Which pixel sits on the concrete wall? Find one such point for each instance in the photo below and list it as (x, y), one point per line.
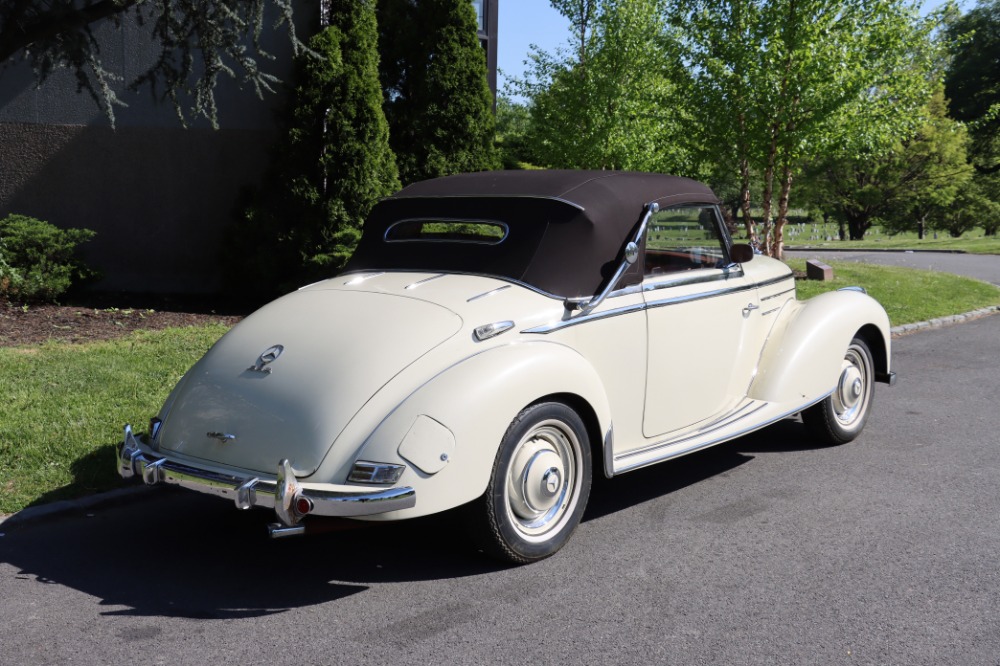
(159, 196)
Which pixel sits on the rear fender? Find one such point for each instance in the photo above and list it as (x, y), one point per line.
(470, 406)
(802, 358)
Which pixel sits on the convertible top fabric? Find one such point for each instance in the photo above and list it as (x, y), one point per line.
(567, 230)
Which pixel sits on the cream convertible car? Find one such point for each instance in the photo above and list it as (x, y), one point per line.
(497, 339)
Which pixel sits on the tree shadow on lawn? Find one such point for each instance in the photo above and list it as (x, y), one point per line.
(174, 553)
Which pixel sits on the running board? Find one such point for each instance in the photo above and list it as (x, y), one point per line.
(748, 416)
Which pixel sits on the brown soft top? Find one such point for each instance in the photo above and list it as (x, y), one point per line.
(566, 229)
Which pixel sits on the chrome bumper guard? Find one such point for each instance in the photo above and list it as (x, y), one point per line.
(285, 494)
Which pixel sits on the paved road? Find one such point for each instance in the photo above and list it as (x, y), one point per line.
(764, 551)
(980, 266)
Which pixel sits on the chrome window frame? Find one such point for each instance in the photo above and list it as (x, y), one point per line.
(725, 241)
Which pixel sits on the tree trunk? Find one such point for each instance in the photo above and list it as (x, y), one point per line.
(779, 225)
(748, 222)
(921, 227)
(858, 224)
(769, 191)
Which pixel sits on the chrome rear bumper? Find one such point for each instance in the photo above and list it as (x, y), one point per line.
(290, 500)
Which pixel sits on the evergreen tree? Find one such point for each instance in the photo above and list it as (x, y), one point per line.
(332, 162)
(437, 99)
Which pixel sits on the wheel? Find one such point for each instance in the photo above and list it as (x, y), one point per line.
(538, 488)
(840, 417)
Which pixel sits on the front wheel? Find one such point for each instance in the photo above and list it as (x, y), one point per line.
(840, 417)
(538, 488)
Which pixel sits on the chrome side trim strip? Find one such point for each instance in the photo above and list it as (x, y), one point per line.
(685, 279)
(487, 293)
(780, 293)
(416, 284)
(771, 311)
(676, 300)
(358, 279)
(705, 444)
(737, 414)
(638, 307)
(566, 323)
(777, 280)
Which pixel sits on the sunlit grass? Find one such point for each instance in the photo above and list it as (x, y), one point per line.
(63, 406)
(908, 295)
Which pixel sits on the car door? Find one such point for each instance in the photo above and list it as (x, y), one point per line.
(704, 330)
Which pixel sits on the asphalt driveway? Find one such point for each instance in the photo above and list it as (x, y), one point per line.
(768, 550)
(984, 267)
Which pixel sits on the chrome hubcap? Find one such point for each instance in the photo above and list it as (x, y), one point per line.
(854, 388)
(542, 480)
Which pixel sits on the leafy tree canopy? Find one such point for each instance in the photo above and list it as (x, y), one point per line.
(773, 82)
(512, 126)
(913, 184)
(607, 99)
(972, 81)
(200, 40)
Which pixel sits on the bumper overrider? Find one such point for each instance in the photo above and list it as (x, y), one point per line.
(291, 500)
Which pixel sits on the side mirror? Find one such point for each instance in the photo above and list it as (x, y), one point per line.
(741, 253)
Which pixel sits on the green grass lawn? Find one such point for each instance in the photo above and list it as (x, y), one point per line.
(63, 405)
(908, 295)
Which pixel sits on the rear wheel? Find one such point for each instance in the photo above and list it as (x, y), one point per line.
(841, 416)
(538, 488)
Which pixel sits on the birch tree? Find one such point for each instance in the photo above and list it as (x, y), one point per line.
(772, 82)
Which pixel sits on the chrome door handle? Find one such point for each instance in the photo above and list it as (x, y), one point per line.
(749, 308)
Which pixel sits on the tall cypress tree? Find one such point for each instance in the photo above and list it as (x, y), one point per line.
(438, 101)
(332, 162)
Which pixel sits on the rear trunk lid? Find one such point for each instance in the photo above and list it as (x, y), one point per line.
(286, 381)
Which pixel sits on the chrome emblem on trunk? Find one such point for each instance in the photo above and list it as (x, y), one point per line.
(269, 355)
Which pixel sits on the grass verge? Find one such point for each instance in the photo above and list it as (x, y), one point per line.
(63, 404)
(908, 295)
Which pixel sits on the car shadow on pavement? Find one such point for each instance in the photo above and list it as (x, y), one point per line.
(649, 483)
(786, 435)
(174, 553)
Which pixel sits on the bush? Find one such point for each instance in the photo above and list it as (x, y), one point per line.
(38, 260)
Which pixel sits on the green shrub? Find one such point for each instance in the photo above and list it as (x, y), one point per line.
(38, 260)
(332, 164)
